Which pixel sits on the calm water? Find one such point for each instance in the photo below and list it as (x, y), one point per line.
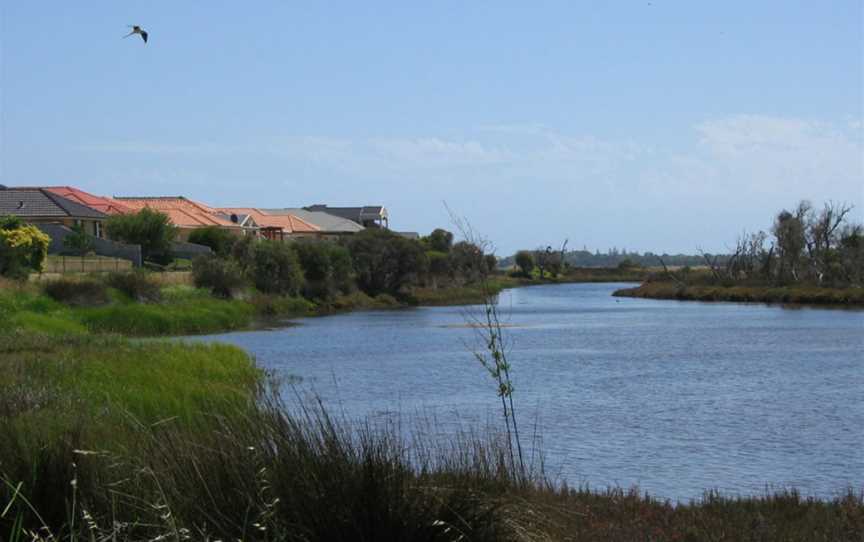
(675, 397)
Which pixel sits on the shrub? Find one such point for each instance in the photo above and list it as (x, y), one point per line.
(326, 267)
(79, 293)
(439, 264)
(385, 262)
(525, 261)
(221, 277)
(150, 229)
(78, 242)
(138, 285)
(467, 260)
(275, 268)
(23, 247)
(439, 241)
(220, 240)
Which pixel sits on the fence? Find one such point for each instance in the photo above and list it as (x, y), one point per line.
(84, 264)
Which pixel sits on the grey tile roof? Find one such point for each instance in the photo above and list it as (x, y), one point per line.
(357, 214)
(327, 222)
(29, 202)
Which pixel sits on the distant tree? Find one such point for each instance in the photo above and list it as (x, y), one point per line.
(326, 267)
(439, 266)
(788, 231)
(78, 242)
(222, 276)
(275, 268)
(543, 258)
(525, 261)
(150, 229)
(467, 261)
(491, 263)
(220, 240)
(439, 240)
(385, 262)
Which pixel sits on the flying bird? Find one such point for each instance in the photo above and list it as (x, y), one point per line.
(137, 30)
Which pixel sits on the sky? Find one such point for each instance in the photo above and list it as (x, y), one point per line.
(664, 126)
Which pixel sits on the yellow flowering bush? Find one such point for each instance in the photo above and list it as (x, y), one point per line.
(23, 247)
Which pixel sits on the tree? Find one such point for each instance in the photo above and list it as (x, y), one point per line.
(220, 240)
(23, 247)
(384, 261)
(525, 261)
(78, 242)
(788, 230)
(490, 263)
(150, 229)
(326, 267)
(467, 261)
(439, 266)
(439, 240)
(276, 269)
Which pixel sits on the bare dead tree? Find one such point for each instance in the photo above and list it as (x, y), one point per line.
(671, 275)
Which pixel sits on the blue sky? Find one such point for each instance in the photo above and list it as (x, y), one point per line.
(658, 125)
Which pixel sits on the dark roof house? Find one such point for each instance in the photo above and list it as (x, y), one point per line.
(327, 224)
(39, 204)
(369, 216)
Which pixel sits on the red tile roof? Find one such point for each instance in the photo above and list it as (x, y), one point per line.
(183, 212)
(108, 206)
(288, 223)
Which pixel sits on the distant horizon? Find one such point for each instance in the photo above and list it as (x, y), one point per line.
(667, 126)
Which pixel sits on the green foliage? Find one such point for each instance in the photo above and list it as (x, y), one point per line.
(525, 261)
(77, 292)
(385, 262)
(439, 240)
(200, 316)
(275, 268)
(150, 229)
(78, 242)
(220, 240)
(490, 263)
(23, 248)
(439, 264)
(223, 277)
(138, 285)
(326, 267)
(468, 261)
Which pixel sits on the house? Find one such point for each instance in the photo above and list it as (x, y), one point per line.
(329, 226)
(185, 214)
(109, 206)
(272, 226)
(42, 206)
(374, 216)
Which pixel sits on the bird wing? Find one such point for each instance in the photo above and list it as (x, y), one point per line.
(129, 34)
(144, 36)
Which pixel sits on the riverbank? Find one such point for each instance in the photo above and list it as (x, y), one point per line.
(110, 439)
(178, 309)
(804, 295)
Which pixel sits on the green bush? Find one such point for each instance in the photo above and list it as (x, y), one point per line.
(385, 262)
(23, 248)
(150, 229)
(220, 240)
(77, 293)
(275, 268)
(137, 285)
(525, 261)
(326, 268)
(222, 277)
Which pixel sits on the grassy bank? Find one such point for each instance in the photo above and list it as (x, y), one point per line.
(191, 457)
(763, 294)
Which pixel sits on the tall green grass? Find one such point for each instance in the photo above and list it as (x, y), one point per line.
(135, 319)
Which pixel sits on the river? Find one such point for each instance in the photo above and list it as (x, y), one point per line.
(675, 397)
